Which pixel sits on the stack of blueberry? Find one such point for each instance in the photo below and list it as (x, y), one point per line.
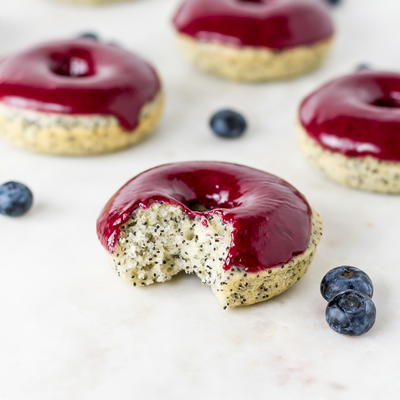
(350, 310)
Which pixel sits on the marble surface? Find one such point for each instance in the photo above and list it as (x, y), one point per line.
(70, 329)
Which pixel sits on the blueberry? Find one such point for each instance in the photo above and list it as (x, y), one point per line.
(351, 313)
(15, 199)
(363, 67)
(228, 124)
(89, 35)
(344, 278)
(333, 2)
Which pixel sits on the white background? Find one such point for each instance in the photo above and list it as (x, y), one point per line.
(70, 329)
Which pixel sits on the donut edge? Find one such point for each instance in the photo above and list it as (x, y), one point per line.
(364, 173)
(243, 289)
(75, 135)
(253, 64)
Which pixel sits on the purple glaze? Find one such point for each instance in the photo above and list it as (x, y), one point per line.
(274, 24)
(79, 76)
(357, 115)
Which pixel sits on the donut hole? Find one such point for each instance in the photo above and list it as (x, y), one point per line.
(196, 206)
(387, 102)
(208, 205)
(77, 63)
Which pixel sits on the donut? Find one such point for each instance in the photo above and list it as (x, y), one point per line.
(77, 97)
(247, 234)
(254, 40)
(350, 130)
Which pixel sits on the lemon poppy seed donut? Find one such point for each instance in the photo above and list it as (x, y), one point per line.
(350, 130)
(247, 234)
(254, 40)
(77, 97)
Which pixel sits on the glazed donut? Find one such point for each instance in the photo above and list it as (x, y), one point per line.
(254, 40)
(77, 97)
(247, 234)
(350, 129)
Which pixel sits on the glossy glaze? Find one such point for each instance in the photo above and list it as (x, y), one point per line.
(275, 24)
(356, 115)
(271, 219)
(79, 76)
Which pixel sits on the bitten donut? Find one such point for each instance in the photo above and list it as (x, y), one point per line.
(350, 130)
(254, 40)
(247, 234)
(77, 97)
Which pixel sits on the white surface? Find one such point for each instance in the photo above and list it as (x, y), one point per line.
(70, 329)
